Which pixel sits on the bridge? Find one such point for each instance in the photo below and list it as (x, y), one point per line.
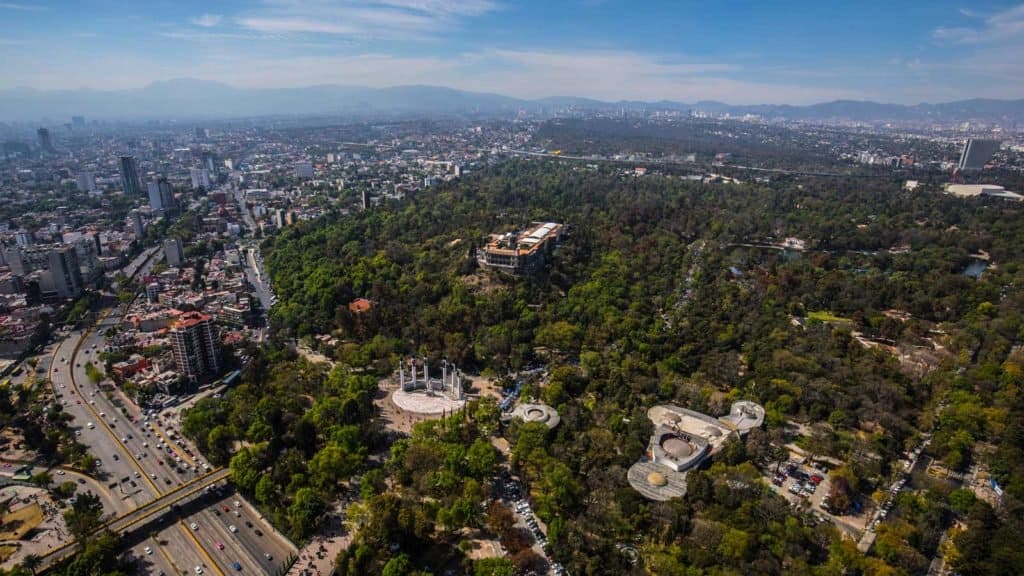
(148, 511)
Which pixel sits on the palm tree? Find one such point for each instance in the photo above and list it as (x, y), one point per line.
(31, 562)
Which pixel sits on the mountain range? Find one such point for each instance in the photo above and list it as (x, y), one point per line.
(190, 98)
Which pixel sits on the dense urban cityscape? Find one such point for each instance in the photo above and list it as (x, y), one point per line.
(596, 321)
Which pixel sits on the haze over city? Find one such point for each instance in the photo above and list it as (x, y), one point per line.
(796, 52)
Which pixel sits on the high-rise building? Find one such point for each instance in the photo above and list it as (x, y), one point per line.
(45, 142)
(209, 160)
(153, 291)
(130, 182)
(67, 277)
(173, 252)
(200, 178)
(86, 182)
(161, 194)
(195, 347)
(23, 238)
(977, 153)
(304, 170)
(136, 218)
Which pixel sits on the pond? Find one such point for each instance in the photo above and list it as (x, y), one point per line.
(975, 269)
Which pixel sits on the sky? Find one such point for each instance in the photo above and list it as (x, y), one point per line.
(766, 51)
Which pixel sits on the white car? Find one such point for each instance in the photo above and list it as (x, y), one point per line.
(233, 528)
(199, 569)
(90, 425)
(148, 550)
(194, 526)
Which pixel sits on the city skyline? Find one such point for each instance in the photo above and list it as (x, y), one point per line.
(796, 53)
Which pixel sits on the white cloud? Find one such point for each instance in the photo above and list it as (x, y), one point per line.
(1002, 26)
(285, 25)
(208, 20)
(363, 18)
(23, 7)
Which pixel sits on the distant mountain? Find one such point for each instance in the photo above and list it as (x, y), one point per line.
(190, 98)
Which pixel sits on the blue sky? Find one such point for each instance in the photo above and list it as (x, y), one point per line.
(739, 52)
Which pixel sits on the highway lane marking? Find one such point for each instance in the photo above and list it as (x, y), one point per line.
(206, 554)
(103, 421)
(168, 558)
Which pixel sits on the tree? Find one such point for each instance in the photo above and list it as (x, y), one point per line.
(305, 511)
(398, 566)
(84, 516)
(31, 562)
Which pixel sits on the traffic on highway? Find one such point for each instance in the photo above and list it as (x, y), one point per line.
(141, 457)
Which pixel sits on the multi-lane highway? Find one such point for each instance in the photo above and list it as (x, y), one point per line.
(139, 462)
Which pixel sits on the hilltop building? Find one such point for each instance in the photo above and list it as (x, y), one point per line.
(521, 253)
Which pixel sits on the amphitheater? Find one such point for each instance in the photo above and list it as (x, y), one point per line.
(418, 393)
(537, 413)
(681, 441)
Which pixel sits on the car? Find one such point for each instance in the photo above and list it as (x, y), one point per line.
(78, 432)
(236, 566)
(233, 528)
(81, 480)
(160, 462)
(248, 524)
(124, 440)
(137, 475)
(268, 556)
(167, 481)
(238, 504)
(199, 569)
(102, 414)
(220, 545)
(90, 425)
(148, 550)
(145, 444)
(116, 457)
(153, 476)
(60, 472)
(225, 508)
(194, 526)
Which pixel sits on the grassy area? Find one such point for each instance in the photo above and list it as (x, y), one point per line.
(14, 525)
(826, 316)
(7, 550)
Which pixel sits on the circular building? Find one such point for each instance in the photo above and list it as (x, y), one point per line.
(537, 413)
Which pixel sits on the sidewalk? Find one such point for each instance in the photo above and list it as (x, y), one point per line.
(317, 558)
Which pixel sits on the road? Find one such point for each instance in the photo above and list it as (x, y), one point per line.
(132, 460)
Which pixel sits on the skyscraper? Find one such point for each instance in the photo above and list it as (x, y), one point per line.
(136, 218)
(200, 178)
(67, 277)
(977, 153)
(173, 252)
(194, 346)
(161, 195)
(130, 182)
(45, 142)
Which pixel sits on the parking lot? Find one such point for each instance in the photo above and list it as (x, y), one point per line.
(512, 495)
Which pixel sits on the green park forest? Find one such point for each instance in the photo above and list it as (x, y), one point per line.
(663, 290)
